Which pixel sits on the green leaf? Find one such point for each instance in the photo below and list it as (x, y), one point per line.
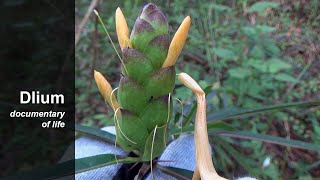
(285, 77)
(271, 47)
(222, 154)
(73, 166)
(176, 172)
(239, 73)
(317, 130)
(260, 7)
(221, 8)
(276, 65)
(265, 28)
(272, 171)
(94, 162)
(258, 64)
(50, 172)
(212, 126)
(235, 113)
(258, 53)
(313, 165)
(224, 53)
(249, 31)
(268, 139)
(96, 132)
(245, 162)
(183, 93)
(100, 116)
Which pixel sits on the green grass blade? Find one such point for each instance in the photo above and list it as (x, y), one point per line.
(96, 132)
(176, 172)
(268, 139)
(313, 165)
(235, 113)
(190, 115)
(245, 162)
(212, 126)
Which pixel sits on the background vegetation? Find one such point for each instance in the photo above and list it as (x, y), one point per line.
(252, 53)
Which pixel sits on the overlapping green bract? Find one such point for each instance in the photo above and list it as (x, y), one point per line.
(145, 86)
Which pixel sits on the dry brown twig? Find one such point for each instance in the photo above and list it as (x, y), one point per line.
(79, 28)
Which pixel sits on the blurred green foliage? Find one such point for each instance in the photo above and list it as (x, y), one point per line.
(251, 52)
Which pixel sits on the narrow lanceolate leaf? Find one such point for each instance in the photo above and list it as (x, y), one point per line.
(212, 126)
(268, 139)
(96, 132)
(71, 167)
(50, 172)
(245, 162)
(94, 162)
(235, 113)
(176, 172)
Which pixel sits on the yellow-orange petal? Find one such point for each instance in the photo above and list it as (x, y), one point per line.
(190, 83)
(106, 90)
(122, 29)
(204, 165)
(177, 43)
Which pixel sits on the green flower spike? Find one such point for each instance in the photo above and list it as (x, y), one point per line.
(148, 80)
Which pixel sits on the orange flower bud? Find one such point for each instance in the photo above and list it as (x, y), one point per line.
(177, 43)
(106, 90)
(122, 30)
